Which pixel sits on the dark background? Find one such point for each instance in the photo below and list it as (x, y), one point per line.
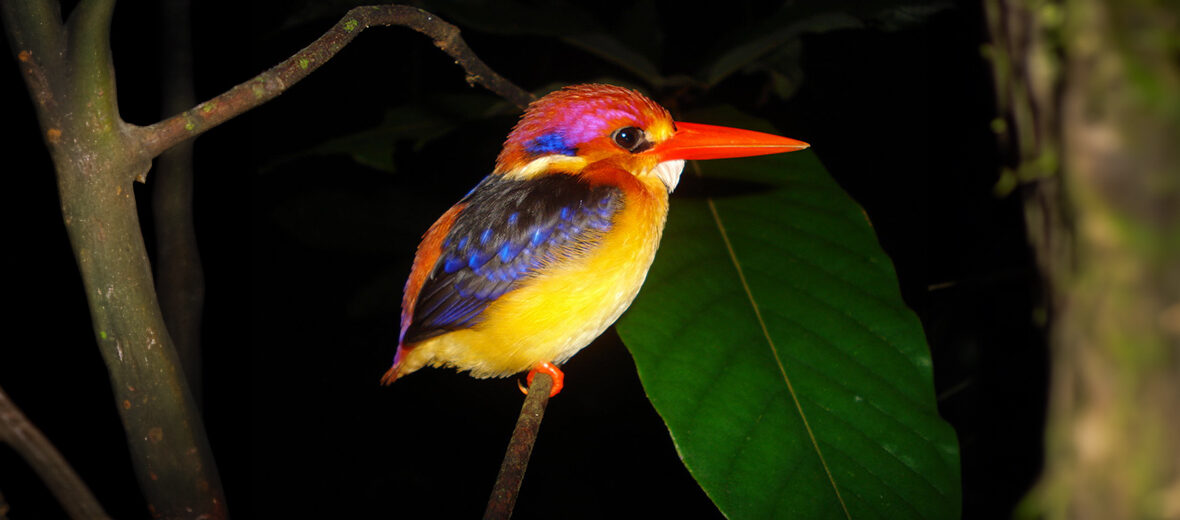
(305, 256)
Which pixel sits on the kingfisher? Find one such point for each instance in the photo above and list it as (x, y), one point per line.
(548, 250)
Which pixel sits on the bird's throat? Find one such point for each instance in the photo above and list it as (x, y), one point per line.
(669, 173)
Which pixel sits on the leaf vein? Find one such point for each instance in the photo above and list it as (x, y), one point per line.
(774, 350)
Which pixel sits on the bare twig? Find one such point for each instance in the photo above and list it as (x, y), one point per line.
(269, 84)
(520, 447)
(39, 453)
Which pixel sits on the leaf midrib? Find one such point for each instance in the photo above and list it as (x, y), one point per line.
(774, 351)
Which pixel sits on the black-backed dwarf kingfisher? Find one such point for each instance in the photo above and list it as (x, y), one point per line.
(545, 253)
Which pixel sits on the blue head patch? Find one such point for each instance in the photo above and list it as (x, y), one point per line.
(550, 143)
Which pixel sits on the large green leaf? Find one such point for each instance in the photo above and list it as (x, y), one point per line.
(772, 339)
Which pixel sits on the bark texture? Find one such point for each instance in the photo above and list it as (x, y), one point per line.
(1090, 96)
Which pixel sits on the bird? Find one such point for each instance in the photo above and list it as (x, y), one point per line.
(548, 250)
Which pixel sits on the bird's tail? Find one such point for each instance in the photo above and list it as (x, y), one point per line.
(394, 371)
(390, 376)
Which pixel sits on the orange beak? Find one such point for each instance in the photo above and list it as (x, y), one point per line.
(697, 141)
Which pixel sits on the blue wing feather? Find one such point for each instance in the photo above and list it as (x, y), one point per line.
(508, 230)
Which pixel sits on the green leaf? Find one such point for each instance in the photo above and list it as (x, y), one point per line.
(772, 338)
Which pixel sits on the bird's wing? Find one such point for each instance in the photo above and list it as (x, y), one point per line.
(505, 232)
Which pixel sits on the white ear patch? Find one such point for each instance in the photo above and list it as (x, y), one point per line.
(669, 173)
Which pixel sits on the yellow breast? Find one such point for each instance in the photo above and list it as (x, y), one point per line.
(566, 306)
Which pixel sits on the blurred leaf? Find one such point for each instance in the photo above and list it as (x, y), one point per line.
(747, 44)
(783, 68)
(898, 17)
(773, 340)
(761, 43)
(642, 29)
(568, 22)
(611, 50)
(419, 122)
(339, 219)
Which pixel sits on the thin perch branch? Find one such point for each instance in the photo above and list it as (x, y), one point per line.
(520, 447)
(73, 495)
(270, 84)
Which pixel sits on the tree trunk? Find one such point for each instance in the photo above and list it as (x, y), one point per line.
(97, 157)
(1089, 93)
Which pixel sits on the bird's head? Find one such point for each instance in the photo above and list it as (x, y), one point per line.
(578, 126)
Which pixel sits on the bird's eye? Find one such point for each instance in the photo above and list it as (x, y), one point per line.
(631, 139)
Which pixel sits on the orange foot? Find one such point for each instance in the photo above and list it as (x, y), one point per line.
(548, 368)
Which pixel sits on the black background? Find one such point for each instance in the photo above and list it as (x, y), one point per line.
(305, 259)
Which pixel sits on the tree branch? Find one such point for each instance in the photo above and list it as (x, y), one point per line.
(520, 448)
(96, 158)
(47, 462)
(70, 75)
(268, 85)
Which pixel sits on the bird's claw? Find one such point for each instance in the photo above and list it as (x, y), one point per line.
(554, 373)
